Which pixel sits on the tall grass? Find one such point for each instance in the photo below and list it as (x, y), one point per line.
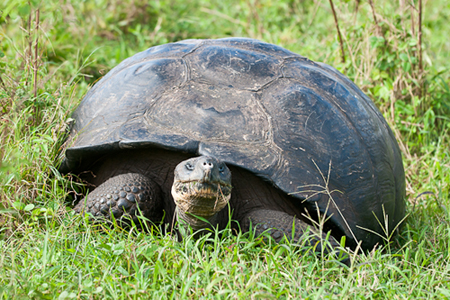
(51, 53)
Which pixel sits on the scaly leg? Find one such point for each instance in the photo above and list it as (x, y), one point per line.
(124, 195)
(282, 225)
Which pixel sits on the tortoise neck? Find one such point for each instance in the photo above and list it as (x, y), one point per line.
(197, 223)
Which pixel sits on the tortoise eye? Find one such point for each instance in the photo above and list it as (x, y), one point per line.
(189, 167)
(221, 168)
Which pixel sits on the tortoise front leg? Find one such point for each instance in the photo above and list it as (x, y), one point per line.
(282, 225)
(124, 195)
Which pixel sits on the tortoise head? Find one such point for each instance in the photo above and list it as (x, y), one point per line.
(202, 187)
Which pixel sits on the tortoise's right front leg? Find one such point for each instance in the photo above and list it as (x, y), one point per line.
(124, 195)
(281, 225)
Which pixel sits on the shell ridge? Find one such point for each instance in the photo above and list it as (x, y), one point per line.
(198, 46)
(270, 134)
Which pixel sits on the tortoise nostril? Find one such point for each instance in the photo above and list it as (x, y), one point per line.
(208, 164)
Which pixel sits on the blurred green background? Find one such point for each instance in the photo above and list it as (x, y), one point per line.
(52, 52)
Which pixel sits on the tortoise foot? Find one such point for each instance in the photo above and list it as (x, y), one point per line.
(122, 196)
(281, 225)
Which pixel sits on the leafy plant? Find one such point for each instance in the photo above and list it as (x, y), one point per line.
(51, 52)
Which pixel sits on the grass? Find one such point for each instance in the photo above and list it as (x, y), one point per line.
(48, 61)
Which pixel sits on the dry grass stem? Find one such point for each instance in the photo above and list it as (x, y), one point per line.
(379, 31)
(223, 16)
(336, 22)
(317, 4)
(357, 7)
(30, 45)
(419, 50)
(36, 45)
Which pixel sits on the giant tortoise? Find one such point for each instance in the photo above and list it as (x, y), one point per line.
(161, 134)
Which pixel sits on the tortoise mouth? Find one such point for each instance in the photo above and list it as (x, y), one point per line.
(199, 189)
(201, 198)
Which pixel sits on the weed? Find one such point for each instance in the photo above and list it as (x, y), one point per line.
(51, 52)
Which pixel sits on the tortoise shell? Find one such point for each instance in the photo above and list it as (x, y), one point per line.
(299, 124)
